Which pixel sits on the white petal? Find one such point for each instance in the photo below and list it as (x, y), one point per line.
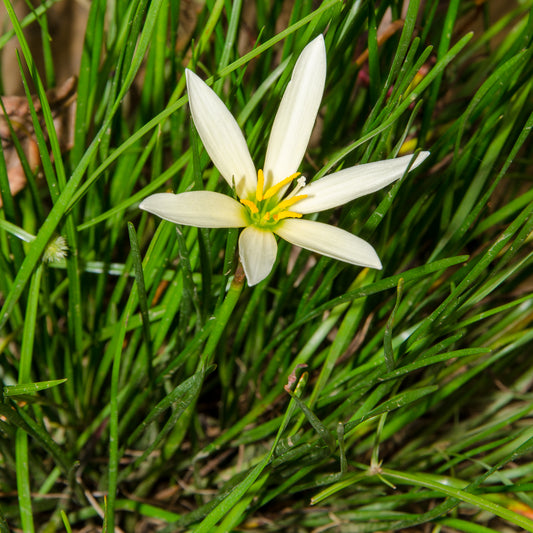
(257, 250)
(346, 185)
(203, 209)
(329, 241)
(297, 113)
(221, 135)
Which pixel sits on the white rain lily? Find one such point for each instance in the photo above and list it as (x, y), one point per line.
(264, 207)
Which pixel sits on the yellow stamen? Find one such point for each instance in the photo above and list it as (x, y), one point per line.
(260, 185)
(290, 201)
(286, 214)
(250, 205)
(271, 191)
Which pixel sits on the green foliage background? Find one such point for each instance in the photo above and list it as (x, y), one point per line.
(138, 368)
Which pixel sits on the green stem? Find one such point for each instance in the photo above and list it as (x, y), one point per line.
(222, 317)
(436, 483)
(21, 439)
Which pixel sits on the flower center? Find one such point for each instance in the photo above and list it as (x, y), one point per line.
(267, 209)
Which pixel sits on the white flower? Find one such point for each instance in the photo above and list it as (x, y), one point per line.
(264, 208)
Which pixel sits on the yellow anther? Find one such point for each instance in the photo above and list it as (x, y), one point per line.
(260, 185)
(250, 205)
(290, 201)
(286, 214)
(271, 191)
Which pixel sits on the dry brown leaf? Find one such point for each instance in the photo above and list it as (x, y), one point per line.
(17, 109)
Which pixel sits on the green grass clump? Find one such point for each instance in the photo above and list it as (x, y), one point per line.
(144, 387)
